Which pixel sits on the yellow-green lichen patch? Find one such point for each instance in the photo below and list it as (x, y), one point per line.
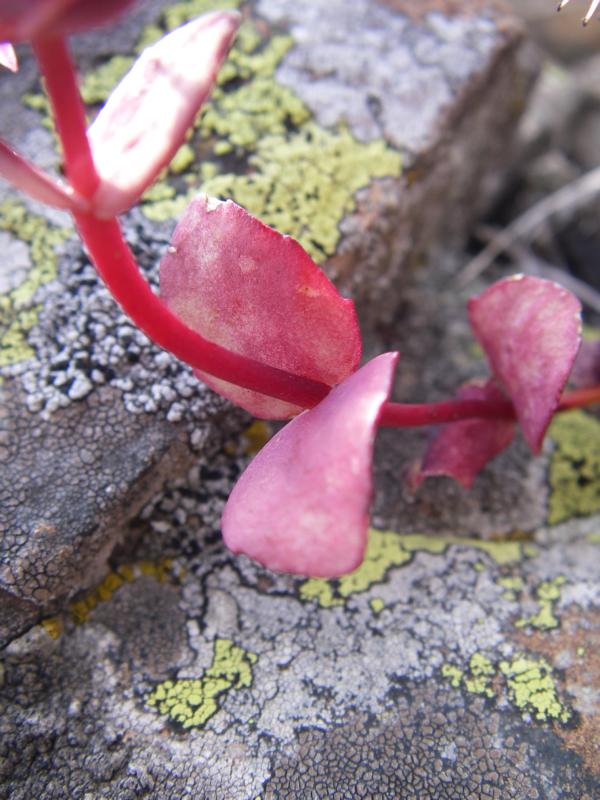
(513, 584)
(480, 674)
(476, 678)
(38, 101)
(386, 549)
(377, 605)
(240, 117)
(590, 334)
(574, 467)
(265, 153)
(99, 83)
(532, 688)
(18, 312)
(177, 13)
(304, 185)
(80, 609)
(547, 594)
(529, 682)
(191, 702)
(452, 673)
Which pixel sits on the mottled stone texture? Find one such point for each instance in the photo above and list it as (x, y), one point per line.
(163, 668)
(445, 89)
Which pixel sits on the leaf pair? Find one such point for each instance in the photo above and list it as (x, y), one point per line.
(530, 331)
(302, 504)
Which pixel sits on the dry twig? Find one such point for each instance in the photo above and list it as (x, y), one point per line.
(569, 197)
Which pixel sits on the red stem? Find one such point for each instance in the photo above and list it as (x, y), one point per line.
(69, 112)
(117, 267)
(412, 415)
(409, 415)
(579, 397)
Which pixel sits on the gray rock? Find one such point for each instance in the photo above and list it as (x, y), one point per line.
(399, 104)
(164, 667)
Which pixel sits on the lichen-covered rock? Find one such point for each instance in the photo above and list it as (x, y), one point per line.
(363, 130)
(446, 665)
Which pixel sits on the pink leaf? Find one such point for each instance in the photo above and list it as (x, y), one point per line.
(530, 330)
(8, 57)
(252, 290)
(31, 180)
(29, 19)
(302, 505)
(461, 450)
(25, 19)
(145, 119)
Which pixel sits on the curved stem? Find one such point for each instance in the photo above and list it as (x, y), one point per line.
(61, 85)
(117, 267)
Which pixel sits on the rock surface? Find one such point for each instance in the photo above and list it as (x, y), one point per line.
(446, 666)
(363, 137)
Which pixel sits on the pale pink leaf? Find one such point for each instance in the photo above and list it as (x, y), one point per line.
(31, 180)
(145, 119)
(8, 57)
(252, 290)
(302, 505)
(530, 330)
(460, 450)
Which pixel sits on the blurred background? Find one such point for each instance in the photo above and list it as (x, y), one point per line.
(558, 172)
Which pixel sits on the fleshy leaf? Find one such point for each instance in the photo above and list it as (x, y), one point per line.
(530, 330)
(145, 119)
(31, 180)
(460, 450)
(8, 57)
(302, 505)
(252, 290)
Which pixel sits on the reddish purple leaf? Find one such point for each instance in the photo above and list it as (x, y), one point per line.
(25, 19)
(586, 369)
(8, 57)
(461, 450)
(145, 119)
(302, 505)
(252, 290)
(530, 330)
